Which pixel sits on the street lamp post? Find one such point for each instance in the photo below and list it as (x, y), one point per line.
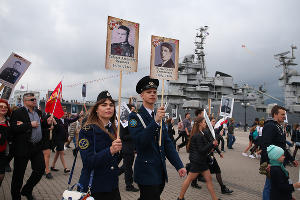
(244, 104)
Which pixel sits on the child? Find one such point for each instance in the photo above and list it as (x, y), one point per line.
(281, 185)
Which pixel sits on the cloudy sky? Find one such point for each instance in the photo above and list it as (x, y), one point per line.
(66, 39)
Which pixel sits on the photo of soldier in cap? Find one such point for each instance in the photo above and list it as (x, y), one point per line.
(120, 45)
(13, 69)
(11, 74)
(165, 56)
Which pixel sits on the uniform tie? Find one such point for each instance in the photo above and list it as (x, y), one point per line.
(152, 114)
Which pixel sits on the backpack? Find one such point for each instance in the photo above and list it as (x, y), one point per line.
(255, 134)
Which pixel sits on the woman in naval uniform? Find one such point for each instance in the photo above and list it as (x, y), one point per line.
(99, 150)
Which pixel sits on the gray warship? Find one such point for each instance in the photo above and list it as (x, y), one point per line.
(194, 88)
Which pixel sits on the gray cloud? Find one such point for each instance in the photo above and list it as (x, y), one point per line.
(67, 38)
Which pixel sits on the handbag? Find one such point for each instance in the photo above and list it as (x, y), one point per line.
(69, 194)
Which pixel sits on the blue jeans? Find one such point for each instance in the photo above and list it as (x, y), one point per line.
(267, 189)
(231, 141)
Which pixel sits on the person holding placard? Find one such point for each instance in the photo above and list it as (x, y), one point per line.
(150, 171)
(99, 150)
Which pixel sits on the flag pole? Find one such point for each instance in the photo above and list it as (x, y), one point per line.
(119, 108)
(161, 104)
(50, 136)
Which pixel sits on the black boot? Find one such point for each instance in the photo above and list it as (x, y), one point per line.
(225, 190)
(195, 184)
(131, 188)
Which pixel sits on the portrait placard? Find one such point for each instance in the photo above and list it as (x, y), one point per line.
(164, 58)
(226, 107)
(13, 69)
(124, 114)
(6, 92)
(122, 45)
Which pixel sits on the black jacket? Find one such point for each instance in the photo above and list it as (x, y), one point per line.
(60, 131)
(171, 131)
(273, 134)
(210, 138)
(22, 133)
(127, 141)
(296, 136)
(280, 187)
(199, 148)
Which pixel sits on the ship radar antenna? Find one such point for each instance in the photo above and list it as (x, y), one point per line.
(201, 35)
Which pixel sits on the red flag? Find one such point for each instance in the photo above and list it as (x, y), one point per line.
(53, 104)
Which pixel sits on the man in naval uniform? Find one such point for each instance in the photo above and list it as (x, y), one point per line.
(150, 171)
(123, 48)
(11, 74)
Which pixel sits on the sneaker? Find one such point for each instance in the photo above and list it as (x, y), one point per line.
(244, 154)
(49, 176)
(131, 188)
(251, 156)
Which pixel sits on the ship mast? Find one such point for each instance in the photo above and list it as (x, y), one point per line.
(286, 61)
(199, 53)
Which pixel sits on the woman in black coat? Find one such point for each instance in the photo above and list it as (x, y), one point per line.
(171, 131)
(199, 147)
(5, 136)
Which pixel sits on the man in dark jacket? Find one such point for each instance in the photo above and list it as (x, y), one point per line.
(274, 134)
(150, 172)
(128, 155)
(27, 128)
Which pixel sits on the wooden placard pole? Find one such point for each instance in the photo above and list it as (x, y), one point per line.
(209, 107)
(161, 104)
(119, 108)
(1, 87)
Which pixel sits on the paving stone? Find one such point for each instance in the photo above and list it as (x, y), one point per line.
(239, 174)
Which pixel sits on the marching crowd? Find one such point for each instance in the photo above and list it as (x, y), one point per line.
(26, 134)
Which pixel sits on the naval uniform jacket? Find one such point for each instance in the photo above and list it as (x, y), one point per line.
(94, 146)
(150, 163)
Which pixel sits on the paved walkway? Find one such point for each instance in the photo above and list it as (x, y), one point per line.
(239, 173)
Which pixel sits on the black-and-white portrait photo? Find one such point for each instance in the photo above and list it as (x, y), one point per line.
(124, 114)
(164, 58)
(226, 106)
(12, 73)
(13, 69)
(120, 45)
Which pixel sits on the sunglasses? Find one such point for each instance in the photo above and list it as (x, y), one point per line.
(33, 99)
(3, 107)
